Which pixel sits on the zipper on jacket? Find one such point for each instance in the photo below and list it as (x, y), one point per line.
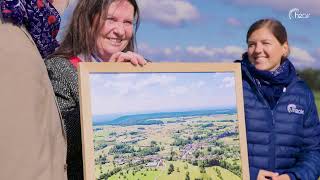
(273, 121)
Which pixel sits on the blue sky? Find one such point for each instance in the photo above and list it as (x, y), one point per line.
(215, 30)
(160, 92)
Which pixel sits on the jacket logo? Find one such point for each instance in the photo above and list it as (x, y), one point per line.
(292, 108)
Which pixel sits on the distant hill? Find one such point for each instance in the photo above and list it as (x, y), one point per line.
(154, 118)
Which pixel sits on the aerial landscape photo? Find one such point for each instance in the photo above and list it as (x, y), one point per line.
(162, 126)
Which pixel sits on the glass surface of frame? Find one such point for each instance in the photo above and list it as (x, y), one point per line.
(163, 121)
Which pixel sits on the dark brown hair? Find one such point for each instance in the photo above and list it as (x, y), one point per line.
(275, 27)
(80, 36)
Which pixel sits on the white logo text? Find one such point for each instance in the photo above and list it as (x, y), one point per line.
(292, 108)
(296, 14)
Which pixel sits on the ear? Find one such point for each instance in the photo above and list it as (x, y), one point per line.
(285, 49)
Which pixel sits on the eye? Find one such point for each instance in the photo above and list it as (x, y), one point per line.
(250, 45)
(128, 23)
(110, 20)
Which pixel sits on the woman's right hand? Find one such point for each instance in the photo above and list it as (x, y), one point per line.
(134, 58)
(266, 175)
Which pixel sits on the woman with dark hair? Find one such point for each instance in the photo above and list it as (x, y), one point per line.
(282, 123)
(33, 142)
(100, 31)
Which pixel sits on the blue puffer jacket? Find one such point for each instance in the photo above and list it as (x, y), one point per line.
(287, 138)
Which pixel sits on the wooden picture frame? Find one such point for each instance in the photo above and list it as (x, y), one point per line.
(163, 120)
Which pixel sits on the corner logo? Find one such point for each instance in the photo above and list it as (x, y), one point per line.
(292, 108)
(296, 14)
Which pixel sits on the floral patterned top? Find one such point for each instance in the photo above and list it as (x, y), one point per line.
(39, 17)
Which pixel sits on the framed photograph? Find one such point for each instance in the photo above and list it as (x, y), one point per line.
(163, 121)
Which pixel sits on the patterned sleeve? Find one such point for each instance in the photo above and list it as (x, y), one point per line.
(64, 80)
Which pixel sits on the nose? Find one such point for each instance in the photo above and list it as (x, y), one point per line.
(119, 29)
(258, 48)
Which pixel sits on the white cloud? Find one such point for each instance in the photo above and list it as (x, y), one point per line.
(145, 49)
(190, 88)
(200, 53)
(198, 84)
(317, 56)
(227, 82)
(167, 51)
(318, 52)
(233, 50)
(307, 6)
(211, 52)
(202, 50)
(154, 79)
(178, 90)
(125, 85)
(168, 12)
(125, 76)
(120, 87)
(301, 57)
(96, 78)
(233, 21)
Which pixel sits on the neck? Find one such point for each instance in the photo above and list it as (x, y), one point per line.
(102, 58)
(97, 58)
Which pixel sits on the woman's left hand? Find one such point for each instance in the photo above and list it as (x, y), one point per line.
(134, 58)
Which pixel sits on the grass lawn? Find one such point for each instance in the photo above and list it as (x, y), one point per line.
(161, 174)
(317, 97)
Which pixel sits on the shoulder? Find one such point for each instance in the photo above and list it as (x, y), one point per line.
(300, 88)
(58, 62)
(61, 68)
(301, 95)
(59, 65)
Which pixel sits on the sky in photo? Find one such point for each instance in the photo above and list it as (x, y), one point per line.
(215, 30)
(113, 93)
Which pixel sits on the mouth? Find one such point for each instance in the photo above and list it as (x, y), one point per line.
(259, 59)
(115, 41)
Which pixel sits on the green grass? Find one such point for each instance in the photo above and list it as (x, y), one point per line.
(161, 174)
(317, 98)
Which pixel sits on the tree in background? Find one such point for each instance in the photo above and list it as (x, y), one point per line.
(171, 169)
(187, 176)
(312, 78)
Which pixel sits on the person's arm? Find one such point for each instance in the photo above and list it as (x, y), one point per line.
(64, 80)
(308, 163)
(33, 145)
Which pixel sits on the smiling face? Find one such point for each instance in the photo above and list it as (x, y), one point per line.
(116, 29)
(265, 51)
